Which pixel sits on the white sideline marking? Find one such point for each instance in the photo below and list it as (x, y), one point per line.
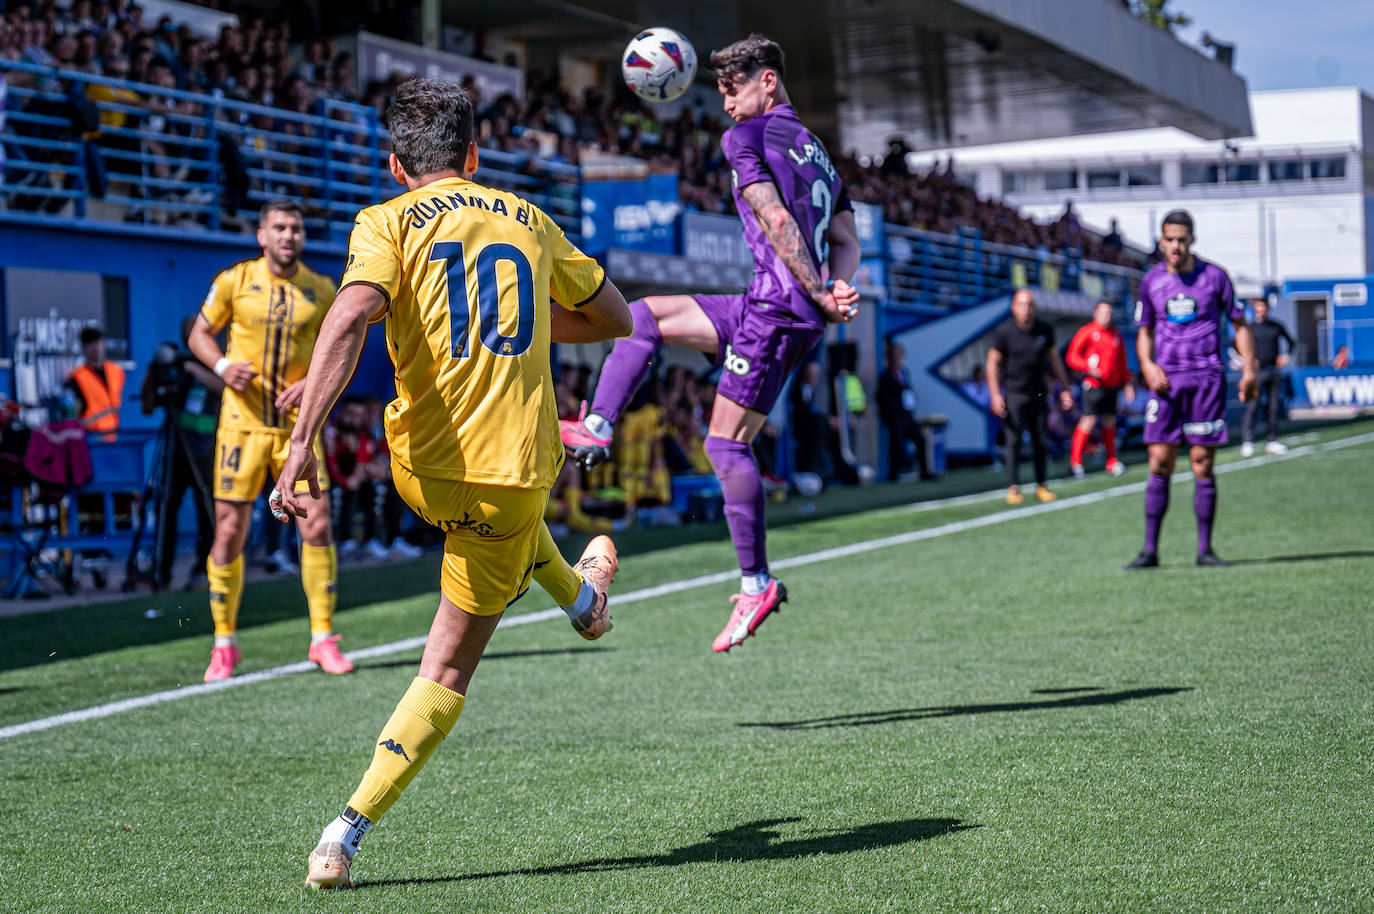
(649, 593)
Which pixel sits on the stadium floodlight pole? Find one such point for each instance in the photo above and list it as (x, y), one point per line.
(431, 24)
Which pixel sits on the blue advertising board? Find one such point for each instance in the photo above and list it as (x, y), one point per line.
(1333, 389)
(635, 215)
(868, 224)
(715, 239)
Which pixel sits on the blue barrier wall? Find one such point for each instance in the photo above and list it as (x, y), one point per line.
(168, 273)
(1349, 320)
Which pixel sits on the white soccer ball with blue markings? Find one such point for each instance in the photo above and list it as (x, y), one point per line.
(659, 64)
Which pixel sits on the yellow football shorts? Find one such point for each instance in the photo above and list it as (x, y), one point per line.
(491, 534)
(244, 456)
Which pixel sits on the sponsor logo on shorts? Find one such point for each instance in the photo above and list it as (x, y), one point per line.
(394, 747)
(735, 363)
(481, 528)
(1215, 427)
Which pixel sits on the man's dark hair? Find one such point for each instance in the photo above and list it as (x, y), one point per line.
(431, 126)
(91, 335)
(280, 205)
(746, 58)
(1179, 217)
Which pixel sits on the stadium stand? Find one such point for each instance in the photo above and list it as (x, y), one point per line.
(110, 119)
(251, 69)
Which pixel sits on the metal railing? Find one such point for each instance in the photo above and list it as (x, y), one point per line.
(97, 148)
(935, 274)
(92, 147)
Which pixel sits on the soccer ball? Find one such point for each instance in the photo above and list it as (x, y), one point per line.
(659, 64)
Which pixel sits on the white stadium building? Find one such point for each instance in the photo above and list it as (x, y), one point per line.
(1294, 201)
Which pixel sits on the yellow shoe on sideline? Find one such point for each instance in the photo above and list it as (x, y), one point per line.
(1044, 494)
(328, 867)
(1014, 497)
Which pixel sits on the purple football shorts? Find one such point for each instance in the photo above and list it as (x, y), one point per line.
(1193, 410)
(756, 353)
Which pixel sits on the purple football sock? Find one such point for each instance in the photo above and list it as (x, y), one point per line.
(742, 487)
(626, 366)
(1156, 503)
(1205, 506)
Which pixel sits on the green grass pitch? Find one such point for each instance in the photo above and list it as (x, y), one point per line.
(992, 718)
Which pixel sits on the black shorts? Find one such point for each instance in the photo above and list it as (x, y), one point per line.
(1100, 401)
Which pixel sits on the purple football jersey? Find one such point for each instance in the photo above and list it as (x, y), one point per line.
(776, 147)
(1188, 312)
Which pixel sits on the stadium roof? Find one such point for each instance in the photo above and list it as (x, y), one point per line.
(937, 72)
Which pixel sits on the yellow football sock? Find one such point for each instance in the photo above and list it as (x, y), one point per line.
(418, 725)
(559, 579)
(226, 590)
(319, 578)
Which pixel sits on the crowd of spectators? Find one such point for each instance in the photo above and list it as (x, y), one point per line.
(253, 62)
(267, 62)
(661, 435)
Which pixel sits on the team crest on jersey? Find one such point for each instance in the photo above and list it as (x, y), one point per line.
(1181, 308)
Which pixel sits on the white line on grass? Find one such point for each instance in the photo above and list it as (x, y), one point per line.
(649, 593)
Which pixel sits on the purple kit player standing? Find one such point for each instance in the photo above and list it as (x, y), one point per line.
(800, 226)
(1183, 303)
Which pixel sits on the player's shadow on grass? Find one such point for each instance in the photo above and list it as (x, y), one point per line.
(490, 656)
(1309, 557)
(84, 631)
(868, 718)
(756, 840)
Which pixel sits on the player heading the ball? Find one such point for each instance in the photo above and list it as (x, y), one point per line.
(799, 225)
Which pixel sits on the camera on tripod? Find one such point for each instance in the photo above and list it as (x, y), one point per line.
(183, 455)
(168, 376)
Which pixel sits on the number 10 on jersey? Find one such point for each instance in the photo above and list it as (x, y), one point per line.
(489, 297)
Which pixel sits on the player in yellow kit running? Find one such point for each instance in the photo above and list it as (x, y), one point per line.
(273, 308)
(464, 276)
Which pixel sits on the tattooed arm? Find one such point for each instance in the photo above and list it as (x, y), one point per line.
(793, 249)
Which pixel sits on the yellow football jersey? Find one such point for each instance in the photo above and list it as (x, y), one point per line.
(272, 323)
(469, 272)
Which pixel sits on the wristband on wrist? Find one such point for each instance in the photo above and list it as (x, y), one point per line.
(830, 285)
(222, 365)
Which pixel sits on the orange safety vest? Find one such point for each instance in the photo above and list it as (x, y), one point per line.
(102, 403)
